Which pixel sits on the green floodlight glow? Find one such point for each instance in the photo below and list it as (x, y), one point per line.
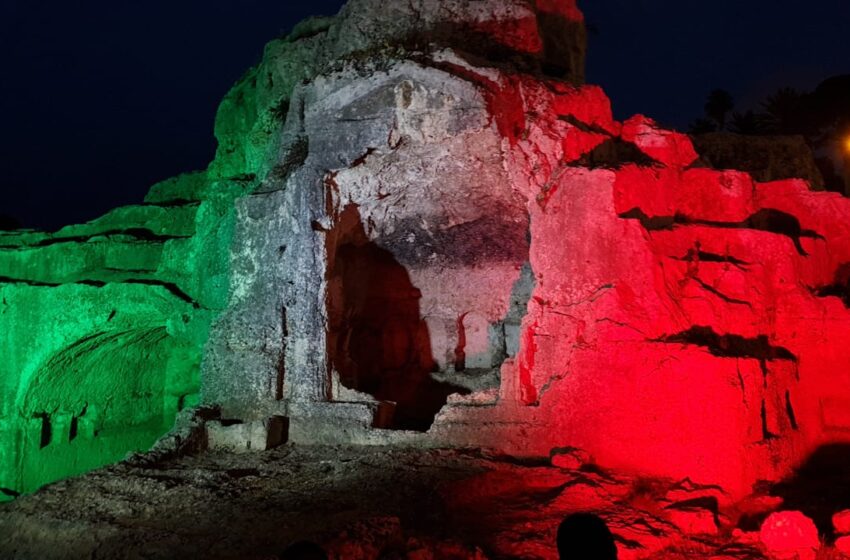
(102, 333)
(87, 392)
(102, 325)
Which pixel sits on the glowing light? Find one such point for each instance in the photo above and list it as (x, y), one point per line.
(847, 144)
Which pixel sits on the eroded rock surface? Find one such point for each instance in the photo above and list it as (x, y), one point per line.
(422, 229)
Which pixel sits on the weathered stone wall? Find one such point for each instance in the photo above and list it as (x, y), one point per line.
(536, 35)
(419, 219)
(388, 114)
(103, 329)
(685, 322)
(91, 371)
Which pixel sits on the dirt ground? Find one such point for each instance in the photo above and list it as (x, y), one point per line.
(365, 503)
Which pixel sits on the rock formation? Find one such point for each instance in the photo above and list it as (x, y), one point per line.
(421, 228)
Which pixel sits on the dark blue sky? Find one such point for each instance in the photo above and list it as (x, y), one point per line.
(100, 99)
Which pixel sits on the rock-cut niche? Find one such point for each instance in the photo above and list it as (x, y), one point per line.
(377, 340)
(97, 399)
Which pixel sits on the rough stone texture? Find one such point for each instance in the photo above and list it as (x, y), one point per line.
(419, 219)
(841, 522)
(667, 295)
(694, 521)
(103, 330)
(540, 35)
(624, 294)
(790, 535)
(91, 373)
(766, 158)
(224, 271)
(365, 503)
(842, 545)
(247, 437)
(387, 169)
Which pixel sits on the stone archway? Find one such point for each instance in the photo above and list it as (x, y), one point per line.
(97, 400)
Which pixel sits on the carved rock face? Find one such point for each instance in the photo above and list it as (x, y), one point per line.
(435, 199)
(415, 209)
(680, 315)
(460, 226)
(545, 36)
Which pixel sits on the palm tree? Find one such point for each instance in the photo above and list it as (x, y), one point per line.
(829, 107)
(786, 112)
(718, 105)
(702, 126)
(749, 123)
(831, 101)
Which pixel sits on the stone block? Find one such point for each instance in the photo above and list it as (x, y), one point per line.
(244, 437)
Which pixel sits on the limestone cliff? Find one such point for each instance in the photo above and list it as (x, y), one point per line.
(106, 323)
(421, 227)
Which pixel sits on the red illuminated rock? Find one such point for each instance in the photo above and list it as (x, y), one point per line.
(842, 545)
(679, 314)
(671, 148)
(492, 229)
(400, 221)
(790, 535)
(570, 459)
(841, 522)
(749, 538)
(694, 521)
(564, 8)
(411, 220)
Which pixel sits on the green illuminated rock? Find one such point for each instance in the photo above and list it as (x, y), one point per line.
(212, 290)
(103, 325)
(103, 328)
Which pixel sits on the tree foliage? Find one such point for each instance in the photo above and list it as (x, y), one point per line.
(818, 115)
(748, 122)
(821, 117)
(718, 106)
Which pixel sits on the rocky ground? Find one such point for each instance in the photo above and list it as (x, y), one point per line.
(369, 503)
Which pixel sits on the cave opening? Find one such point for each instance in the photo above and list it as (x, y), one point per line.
(378, 342)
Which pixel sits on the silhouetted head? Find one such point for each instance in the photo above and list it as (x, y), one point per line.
(583, 536)
(304, 550)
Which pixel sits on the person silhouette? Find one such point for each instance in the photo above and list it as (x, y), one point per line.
(304, 550)
(583, 536)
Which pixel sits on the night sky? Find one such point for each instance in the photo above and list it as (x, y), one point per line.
(102, 98)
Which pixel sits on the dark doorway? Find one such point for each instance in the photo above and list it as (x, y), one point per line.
(378, 341)
(583, 536)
